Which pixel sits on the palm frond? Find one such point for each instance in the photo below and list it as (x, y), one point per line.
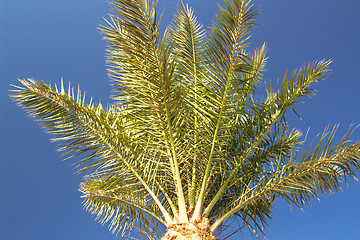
(142, 70)
(87, 130)
(265, 118)
(123, 202)
(225, 53)
(302, 177)
(188, 37)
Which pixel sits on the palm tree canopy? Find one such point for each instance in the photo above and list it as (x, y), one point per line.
(189, 136)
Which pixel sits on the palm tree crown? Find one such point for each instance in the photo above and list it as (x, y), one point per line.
(188, 140)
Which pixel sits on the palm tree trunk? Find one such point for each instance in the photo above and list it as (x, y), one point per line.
(197, 230)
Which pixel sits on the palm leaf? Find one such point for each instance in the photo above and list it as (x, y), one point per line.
(142, 71)
(88, 129)
(188, 37)
(305, 176)
(224, 52)
(122, 202)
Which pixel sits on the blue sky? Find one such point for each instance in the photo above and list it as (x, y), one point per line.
(52, 39)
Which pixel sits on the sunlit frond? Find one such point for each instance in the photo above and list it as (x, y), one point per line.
(299, 178)
(122, 202)
(86, 129)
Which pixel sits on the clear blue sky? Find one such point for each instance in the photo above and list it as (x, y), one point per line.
(50, 39)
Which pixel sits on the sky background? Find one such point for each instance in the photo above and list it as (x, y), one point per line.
(52, 39)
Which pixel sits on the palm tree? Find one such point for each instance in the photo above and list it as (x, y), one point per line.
(189, 144)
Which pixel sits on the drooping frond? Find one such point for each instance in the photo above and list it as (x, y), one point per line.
(86, 129)
(122, 202)
(298, 178)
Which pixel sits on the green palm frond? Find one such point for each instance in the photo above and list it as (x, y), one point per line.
(123, 203)
(81, 128)
(225, 53)
(86, 129)
(297, 180)
(188, 37)
(142, 70)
